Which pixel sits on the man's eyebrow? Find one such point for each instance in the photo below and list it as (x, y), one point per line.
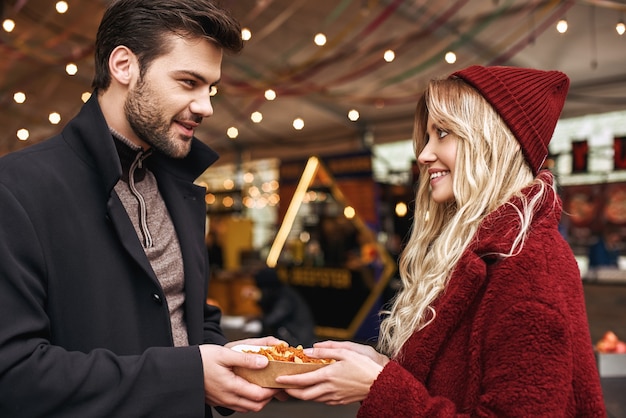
(195, 75)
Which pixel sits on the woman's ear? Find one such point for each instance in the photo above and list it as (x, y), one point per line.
(123, 65)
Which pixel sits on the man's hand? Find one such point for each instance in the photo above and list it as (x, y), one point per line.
(223, 388)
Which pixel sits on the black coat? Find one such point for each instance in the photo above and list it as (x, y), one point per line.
(84, 326)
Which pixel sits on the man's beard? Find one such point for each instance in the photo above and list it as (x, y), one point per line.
(146, 118)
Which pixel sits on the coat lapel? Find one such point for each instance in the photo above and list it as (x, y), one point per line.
(127, 234)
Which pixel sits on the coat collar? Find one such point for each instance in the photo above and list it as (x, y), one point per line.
(89, 136)
(498, 230)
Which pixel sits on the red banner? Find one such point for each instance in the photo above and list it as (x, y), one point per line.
(619, 154)
(580, 156)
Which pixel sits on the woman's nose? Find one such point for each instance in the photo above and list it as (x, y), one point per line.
(426, 156)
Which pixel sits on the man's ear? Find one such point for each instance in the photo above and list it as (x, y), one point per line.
(123, 65)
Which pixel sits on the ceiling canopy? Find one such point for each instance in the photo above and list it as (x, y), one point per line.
(322, 84)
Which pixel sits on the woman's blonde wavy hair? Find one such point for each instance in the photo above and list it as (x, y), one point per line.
(490, 169)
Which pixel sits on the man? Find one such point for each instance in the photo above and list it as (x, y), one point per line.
(103, 267)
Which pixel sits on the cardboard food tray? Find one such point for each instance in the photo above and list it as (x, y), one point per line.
(266, 377)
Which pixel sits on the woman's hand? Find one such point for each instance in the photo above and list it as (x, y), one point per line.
(345, 381)
(365, 350)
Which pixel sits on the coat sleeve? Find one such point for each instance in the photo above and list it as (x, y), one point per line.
(38, 378)
(526, 370)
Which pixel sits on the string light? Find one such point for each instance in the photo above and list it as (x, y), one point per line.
(256, 117)
(320, 39)
(23, 134)
(19, 97)
(298, 124)
(71, 68)
(246, 34)
(450, 57)
(270, 94)
(62, 7)
(54, 118)
(561, 25)
(232, 132)
(8, 25)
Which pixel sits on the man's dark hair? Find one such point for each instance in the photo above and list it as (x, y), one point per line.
(141, 25)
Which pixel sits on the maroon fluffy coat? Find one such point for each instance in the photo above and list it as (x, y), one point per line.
(510, 337)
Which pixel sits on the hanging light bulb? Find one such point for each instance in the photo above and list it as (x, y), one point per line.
(561, 25)
(320, 39)
(450, 57)
(232, 132)
(71, 68)
(23, 134)
(246, 34)
(270, 94)
(8, 25)
(62, 7)
(54, 118)
(19, 97)
(298, 124)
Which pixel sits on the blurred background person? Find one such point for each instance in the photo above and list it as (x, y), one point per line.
(285, 313)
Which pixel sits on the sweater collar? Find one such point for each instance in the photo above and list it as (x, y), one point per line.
(129, 154)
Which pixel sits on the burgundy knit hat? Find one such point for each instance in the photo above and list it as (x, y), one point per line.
(530, 102)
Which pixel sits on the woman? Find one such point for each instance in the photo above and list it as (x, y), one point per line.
(491, 318)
